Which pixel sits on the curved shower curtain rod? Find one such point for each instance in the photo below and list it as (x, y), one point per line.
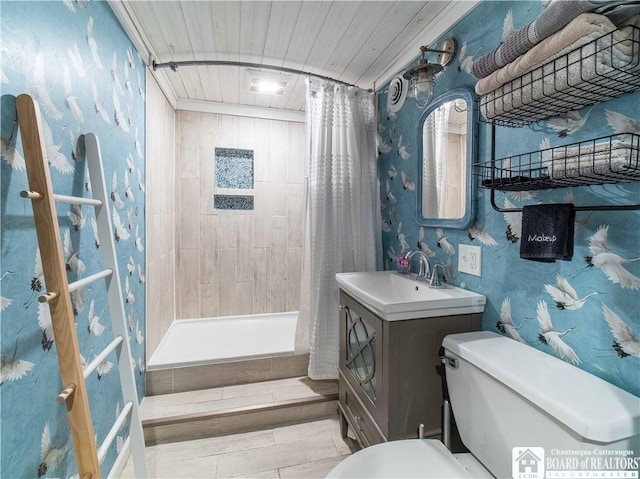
(187, 63)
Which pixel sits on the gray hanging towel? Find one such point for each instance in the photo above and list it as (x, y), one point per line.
(547, 232)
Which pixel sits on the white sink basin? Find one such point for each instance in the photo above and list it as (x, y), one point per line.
(394, 296)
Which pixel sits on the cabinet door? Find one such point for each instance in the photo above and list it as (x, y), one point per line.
(362, 332)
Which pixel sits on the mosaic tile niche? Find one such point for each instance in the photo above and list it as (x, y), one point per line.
(233, 171)
(230, 202)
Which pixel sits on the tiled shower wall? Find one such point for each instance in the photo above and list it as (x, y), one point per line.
(236, 261)
(161, 215)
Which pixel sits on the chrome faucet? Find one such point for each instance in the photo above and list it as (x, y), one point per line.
(425, 266)
(434, 281)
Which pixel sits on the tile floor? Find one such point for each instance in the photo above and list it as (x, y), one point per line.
(235, 409)
(233, 397)
(307, 450)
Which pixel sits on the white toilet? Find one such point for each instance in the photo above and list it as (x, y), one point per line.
(507, 395)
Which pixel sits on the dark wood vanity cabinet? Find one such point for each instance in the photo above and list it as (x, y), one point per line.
(390, 373)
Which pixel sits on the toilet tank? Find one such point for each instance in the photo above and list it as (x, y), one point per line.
(505, 395)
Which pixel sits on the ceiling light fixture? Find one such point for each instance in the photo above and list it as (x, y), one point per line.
(271, 87)
(422, 76)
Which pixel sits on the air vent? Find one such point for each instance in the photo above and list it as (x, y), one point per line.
(397, 93)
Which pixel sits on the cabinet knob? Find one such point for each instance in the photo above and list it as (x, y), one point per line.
(342, 307)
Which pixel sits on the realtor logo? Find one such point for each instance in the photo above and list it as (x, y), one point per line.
(527, 463)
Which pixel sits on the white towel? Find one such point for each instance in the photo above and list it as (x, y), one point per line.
(592, 160)
(582, 30)
(547, 89)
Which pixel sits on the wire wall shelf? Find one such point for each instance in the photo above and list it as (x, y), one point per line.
(600, 70)
(610, 159)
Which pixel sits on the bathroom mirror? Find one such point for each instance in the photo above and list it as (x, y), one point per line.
(447, 145)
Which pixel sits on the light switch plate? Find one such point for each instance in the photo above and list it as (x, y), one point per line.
(470, 259)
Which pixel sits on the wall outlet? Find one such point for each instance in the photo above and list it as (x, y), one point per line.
(470, 259)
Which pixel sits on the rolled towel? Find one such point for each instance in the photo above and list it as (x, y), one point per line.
(580, 31)
(620, 13)
(546, 90)
(593, 160)
(553, 18)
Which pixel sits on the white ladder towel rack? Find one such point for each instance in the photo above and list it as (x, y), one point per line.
(73, 375)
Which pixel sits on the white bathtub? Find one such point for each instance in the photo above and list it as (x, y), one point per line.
(191, 342)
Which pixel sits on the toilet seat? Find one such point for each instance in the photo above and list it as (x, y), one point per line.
(410, 458)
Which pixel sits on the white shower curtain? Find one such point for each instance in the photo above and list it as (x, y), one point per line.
(434, 140)
(341, 233)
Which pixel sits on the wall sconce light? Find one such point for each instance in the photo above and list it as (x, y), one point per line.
(421, 77)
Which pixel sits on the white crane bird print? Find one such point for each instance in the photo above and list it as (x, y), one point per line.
(466, 60)
(128, 192)
(50, 457)
(139, 245)
(114, 74)
(55, 158)
(78, 301)
(564, 295)
(407, 183)
(568, 123)
(390, 196)
(93, 45)
(620, 123)
(131, 164)
(550, 337)
(94, 228)
(129, 296)
(140, 181)
(5, 303)
(422, 244)
(70, 99)
(95, 327)
(76, 217)
(118, 116)
(115, 195)
(13, 369)
(131, 265)
(505, 323)
(443, 242)
(514, 223)
(98, 104)
(41, 88)
(610, 263)
(120, 232)
(37, 282)
(392, 172)
(131, 218)
(103, 368)
(507, 25)
(44, 321)
(76, 61)
(141, 276)
(11, 155)
(626, 342)
(74, 263)
(476, 232)
(402, 150)
(403, 242)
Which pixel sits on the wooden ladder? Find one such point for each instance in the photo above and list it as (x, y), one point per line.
(73, 375)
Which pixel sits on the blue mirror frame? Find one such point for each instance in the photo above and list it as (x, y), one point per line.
(472, 152)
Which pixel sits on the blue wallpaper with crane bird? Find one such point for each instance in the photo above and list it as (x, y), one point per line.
(76, 61)
(595, 297)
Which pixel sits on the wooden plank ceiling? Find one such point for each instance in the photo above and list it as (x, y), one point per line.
(358, 42)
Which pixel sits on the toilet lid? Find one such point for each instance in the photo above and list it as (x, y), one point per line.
(419, 458)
